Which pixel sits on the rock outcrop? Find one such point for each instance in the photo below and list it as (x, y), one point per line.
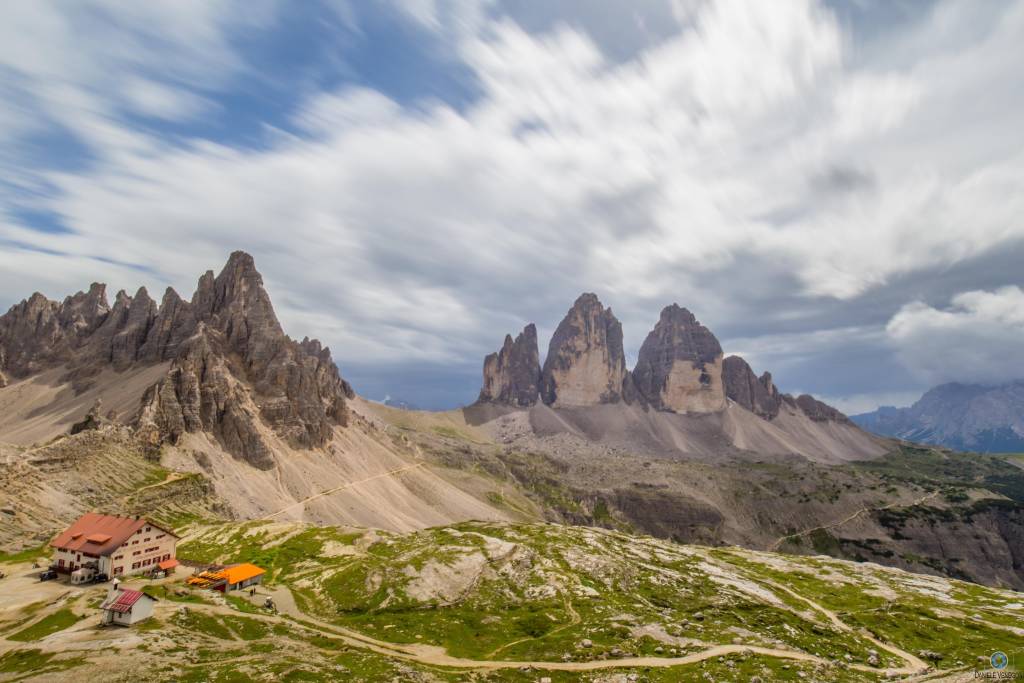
(512, 375)
(233, 372)
(818, 410)
(757, 394)
(679, 368)
(760, 396)
(238, 372)
(585, 364)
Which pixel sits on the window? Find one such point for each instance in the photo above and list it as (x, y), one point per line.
(167, 556)
(60, 563)
(161, 536)
(119, 557)
(146, 562)
(135, 565)
(147, 539)
(135, 542)
(118, 570)
(148, 529)
(137, 552)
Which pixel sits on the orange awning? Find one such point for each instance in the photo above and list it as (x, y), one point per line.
(240, 572)
(168, 564)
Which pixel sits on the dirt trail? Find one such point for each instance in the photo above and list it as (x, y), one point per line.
(347, 485)
(849, 518)
(170, 479)
(436, 656)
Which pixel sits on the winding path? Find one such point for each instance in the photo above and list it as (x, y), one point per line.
(336, 489)
(432, 655)
(849, 518)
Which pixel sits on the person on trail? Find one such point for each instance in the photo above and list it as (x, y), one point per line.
(252, 592)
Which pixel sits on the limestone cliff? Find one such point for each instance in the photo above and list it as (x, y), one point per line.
(679, 368)
(233, 372)
(585, 364)
(757, 394)
(512, 375)
(760, 396)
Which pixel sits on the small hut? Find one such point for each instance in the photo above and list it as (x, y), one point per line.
(125, 607)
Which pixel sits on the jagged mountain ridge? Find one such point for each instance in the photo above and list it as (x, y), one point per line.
(681, 374)
(680, 368)
(231, 366)
(974, 417)
(210, 387)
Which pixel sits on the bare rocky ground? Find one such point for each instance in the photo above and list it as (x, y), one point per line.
(927, 510)
(497, 602)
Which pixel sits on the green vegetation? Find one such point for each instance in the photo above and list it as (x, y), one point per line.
(36, 662)
(207, 624)
(51, 623)
(535, 592)
(26, 555)
(937, 469)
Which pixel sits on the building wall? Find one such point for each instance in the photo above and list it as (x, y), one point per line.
(67, 561)
(145, 549)
(141, 610)
(254, 581)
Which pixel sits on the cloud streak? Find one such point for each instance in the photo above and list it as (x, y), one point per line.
(741, 162)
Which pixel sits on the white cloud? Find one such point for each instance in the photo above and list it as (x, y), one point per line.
(429, 232)
(978, 338)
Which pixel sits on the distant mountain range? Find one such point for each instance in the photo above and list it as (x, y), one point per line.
(970, 417)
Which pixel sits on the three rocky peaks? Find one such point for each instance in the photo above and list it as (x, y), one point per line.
(231, 372)
(680, 369)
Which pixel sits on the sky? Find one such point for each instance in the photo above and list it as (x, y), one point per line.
(836, 189)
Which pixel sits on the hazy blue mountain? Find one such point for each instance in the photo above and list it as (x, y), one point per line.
(973, 417)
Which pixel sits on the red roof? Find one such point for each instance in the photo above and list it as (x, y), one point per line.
(123, 601)
(98, 534)
(168, 564)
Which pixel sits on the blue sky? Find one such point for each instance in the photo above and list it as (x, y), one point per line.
(834, 188)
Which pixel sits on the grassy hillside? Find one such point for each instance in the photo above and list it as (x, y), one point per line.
(513, 602)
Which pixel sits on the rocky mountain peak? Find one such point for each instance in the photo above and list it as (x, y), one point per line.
(84, 311)
(679, 367)
(758, 395)
(233, 372)
(585, 364)
(292, 387)
(236, 303)
(512, 375)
